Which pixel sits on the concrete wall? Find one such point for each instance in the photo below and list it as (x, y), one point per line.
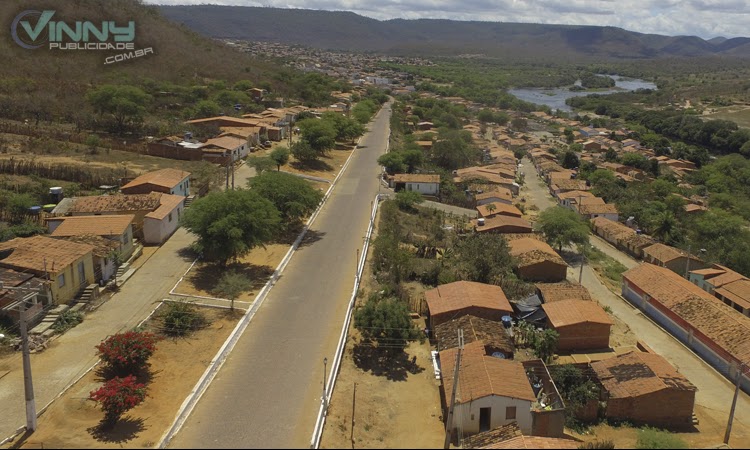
(73, 282)
(424, 188)
(156, 231)
(468, 413)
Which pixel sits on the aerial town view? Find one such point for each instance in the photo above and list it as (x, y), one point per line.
(348, 224)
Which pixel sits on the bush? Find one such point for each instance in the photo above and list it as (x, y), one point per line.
(653, 438)
(181, 319)
(127, 353)
(118, 396)
(605, 444)
(407, 200)
(67, 320)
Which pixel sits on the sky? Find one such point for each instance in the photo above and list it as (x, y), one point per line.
(703, 18)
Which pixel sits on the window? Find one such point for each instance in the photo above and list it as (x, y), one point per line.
(170, 217)
(510, 412)
(61, 280)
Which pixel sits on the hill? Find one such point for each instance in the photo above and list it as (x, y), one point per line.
(349, 31)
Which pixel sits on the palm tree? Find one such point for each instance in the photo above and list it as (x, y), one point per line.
(665, 227)
(490, 208)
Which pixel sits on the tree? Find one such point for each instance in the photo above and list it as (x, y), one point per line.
(412, 158)
(261, 163)
(393, 162)
(491, 208)
(304, 152)
(664, 227)
(545, 344)
(562, 227)
(280, 155)
(117, 396)
(387, 322)
(320, 134)
(483, 258)
(231, 223)
(610, 155)
(346, 129)
(206, 176)
(231, 285)
(124, 104)
(127, 353)
(407, 200)
(206, 108)
(292, 196)
(569, 160)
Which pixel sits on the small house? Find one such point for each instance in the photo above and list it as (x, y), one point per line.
(502, 224)
(581, 324)
(453, 300)
(168, 181)
(426, 184)
(537, 261)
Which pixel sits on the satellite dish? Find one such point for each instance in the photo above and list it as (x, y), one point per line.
(499, 355)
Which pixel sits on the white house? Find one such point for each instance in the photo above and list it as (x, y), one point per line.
(226, 145)
(167, 181)
(159, 224)
(492, 391)
(426, 184)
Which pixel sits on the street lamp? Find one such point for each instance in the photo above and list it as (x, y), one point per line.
(325, 390)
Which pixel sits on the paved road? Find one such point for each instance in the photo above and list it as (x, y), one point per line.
(268, 392)
(714, 390)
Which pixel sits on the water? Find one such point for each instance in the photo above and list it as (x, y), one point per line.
(555, 98)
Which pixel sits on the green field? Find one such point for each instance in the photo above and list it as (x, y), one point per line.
(740, 117)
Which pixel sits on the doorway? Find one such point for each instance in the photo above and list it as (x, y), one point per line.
(484, 419)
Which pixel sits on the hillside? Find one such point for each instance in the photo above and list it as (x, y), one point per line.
(349, 31)
(54, 82)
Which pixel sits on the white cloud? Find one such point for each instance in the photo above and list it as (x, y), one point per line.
(704, 18)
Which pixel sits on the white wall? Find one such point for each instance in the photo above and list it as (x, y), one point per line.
(464, 412)
(423, 188)
(182, 189)
(157, 231)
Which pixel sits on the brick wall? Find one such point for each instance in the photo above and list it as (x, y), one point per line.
(666, 408)
(547, 271)
(583, 336)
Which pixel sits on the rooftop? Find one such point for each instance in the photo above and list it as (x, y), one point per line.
(41, 253)
(489, 332)
(109, 225)
(498, 208)
(115, 203)
(492, 223)
(555, 292)
(416, 178)
(463, 294)
(663, 253)
(638, 373)
(167, 178)
(571, 312)
(167, 204)
(484, 376)
(530, 251)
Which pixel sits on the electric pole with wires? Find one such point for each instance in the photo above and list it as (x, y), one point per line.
(449, 419)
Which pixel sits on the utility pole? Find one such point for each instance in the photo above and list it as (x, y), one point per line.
(325, 388)
(28, 385)
(449, 419)
(580, 273)
(740, 373)
(687, 264)
(227, 185)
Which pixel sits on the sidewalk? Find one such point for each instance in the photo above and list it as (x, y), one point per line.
(72, 354)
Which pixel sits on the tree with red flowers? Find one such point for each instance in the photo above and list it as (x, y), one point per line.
(118, 396)
(127, 353)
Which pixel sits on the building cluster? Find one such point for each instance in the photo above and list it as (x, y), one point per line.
(91, 242)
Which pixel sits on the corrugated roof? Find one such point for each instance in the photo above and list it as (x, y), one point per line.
(720, 323)
(638, 373)
(483, 376)
(168, 203)
(475, 329)
(463, 294)
(167, 178)
(571, 312)
(109, 225)
(555, 292)
(32, 252)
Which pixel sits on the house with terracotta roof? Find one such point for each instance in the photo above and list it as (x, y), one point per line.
(68, 266)
(713, 330)
(676, 260)
(730, 287)
(22, 291)
(225, 148)
(493, 194)
(425, 184)
(570, 198)
(159, 224)
(453, 300)
(502, 224)
(537, 261)
(581, 324)
(493, 392)
(595, 207)
(510, 436)
(644, 388)
(564, 290)
(168, 181)
(491, 333)
(498, 209)
(565, 185)
(621, 236)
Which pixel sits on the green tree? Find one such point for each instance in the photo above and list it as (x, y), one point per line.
(413, 159)
(18, 205)
(562, 227)
(231, 285)
(610, 155)
(483, 258)
(231, 223)
(545, 344)
(393, 162)
(569, 160)
(407, 200)
(294, 197)
(206, 177)
(280, 155)
(124, 104)
(260, 163)
(346, 129)
(320, 134)
(304, 152)
(206, 108)
(386, 322)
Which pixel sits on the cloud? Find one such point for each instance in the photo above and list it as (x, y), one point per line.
(704, 18)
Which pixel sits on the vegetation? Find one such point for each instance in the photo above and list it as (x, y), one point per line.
(652, 438)
(386, 321)
(67, 320)
(231, 223)
(231, 285)
(545, 344)
(118, 396)
(562, 227)
(407, 200)
(180, 319)
(280, 156)
(127, 353)
(605, 444)
(293, 197)
(576, 390)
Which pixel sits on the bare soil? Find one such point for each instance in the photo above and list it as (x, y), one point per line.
(72, 421)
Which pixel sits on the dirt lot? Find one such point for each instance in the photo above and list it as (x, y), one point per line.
(72, 421)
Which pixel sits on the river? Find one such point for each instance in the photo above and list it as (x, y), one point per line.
(555, 98)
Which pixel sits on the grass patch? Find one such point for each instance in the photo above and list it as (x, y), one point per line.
(653, 438)
(606, 265)
(67, 320)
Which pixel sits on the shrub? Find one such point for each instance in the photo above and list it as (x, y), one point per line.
(654, 438)
(67, 320)
(407, 200)
(180, 319)
(118, 396)
(605, 444)
(127, 353)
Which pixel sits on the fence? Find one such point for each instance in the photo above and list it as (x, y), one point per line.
(86, 176)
